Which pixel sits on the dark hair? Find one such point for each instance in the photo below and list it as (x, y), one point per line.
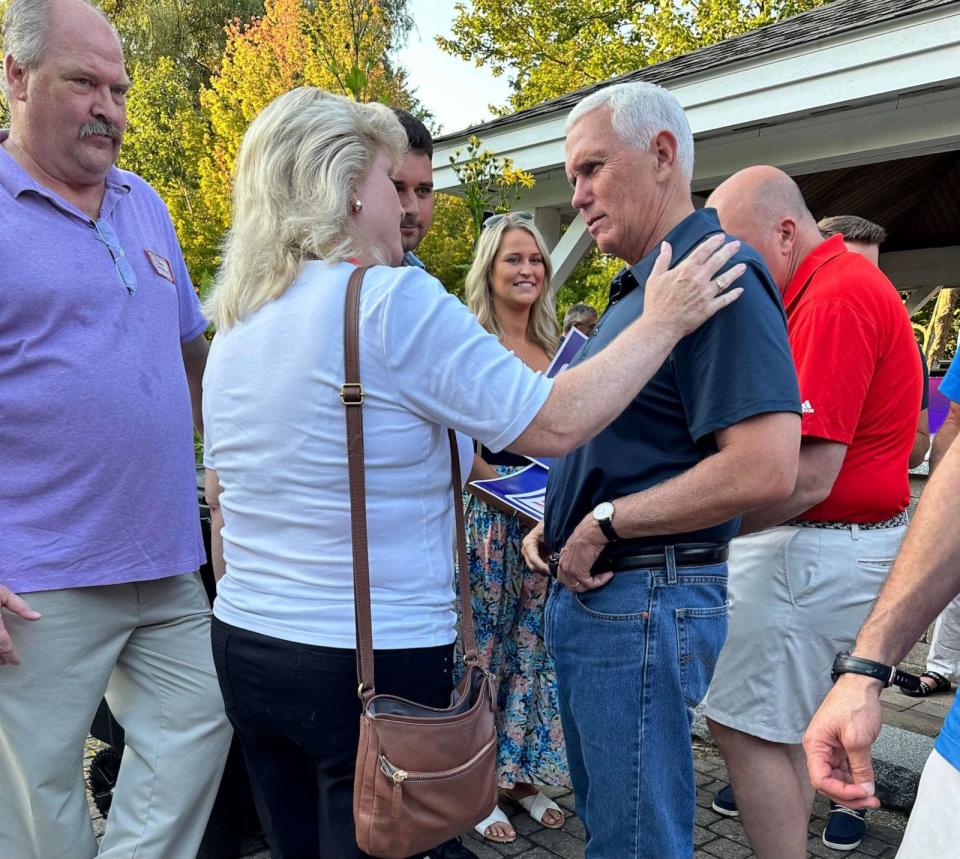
(419, 138)
(854, 229)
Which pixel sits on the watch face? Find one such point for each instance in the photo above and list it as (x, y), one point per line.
(603, 511)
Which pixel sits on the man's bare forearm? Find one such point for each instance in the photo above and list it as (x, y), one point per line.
(194, 362)
(945, 436)
(817, 470)
(738, 477)
(926, 575)
(216, 544)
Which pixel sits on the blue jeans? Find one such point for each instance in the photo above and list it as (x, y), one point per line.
(633, 659)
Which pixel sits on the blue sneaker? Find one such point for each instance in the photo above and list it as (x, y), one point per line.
(845, 827)
(724, 802)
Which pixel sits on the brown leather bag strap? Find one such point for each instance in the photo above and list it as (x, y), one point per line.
(463, 571)
(351, 395)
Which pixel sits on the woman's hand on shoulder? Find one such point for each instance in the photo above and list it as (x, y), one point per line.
(682, 298)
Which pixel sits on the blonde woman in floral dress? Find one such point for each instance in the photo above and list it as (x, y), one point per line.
(508, 288)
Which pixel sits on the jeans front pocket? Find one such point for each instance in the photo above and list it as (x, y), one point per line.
(626, 597)
(700, 636)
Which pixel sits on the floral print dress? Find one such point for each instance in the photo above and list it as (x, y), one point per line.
(508, 601)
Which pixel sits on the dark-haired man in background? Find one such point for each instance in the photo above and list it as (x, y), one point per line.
(414, 184)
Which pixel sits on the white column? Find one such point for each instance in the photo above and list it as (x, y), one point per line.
(569, 251)
(547, 219)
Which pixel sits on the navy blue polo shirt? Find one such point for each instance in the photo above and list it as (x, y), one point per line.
(736, 365)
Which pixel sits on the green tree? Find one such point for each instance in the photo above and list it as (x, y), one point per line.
(936, 326)
(551, 47)
(341, 45)
(490, 184)
(165, 136)
(447, 251)
(192, 33)
(589, 282)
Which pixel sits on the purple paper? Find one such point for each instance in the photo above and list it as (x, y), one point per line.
(567, 352)
(939, 404)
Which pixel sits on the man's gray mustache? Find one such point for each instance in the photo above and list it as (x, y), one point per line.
(98, 126)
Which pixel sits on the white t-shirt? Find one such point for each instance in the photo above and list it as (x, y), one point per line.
(275, 433)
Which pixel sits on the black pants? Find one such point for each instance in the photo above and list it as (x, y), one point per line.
(296, 712)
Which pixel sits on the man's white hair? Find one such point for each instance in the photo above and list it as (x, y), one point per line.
(639, 111)
(25, 32)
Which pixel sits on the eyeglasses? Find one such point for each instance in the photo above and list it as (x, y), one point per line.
(493, 220)
(108, 235)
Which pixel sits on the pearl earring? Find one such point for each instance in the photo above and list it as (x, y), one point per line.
(357, 205)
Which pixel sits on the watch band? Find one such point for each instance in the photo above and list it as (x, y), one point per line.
(888, 675)
(606, 528)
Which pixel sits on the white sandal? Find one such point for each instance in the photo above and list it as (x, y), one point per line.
(496, 816)
(537, 805)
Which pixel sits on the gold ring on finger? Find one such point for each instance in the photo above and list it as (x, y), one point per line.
(720, 284)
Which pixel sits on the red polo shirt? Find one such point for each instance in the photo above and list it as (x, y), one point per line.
(860, 378)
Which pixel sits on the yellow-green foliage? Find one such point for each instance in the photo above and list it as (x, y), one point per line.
(551, 47)
(339, 45)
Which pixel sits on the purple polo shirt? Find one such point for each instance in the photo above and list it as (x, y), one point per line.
(97, 481)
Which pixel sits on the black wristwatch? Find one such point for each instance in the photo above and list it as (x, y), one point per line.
(603, 516)
(888, 675)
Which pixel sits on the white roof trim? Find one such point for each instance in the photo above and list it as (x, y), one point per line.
(856, 68)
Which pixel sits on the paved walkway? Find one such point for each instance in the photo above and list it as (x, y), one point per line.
(715, 837)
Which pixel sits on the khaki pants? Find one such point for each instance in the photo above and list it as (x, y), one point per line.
(146, 646)
(934, 826)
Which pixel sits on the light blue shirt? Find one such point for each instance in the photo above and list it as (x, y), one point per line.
(950, 384)
(410, 258)
(948, 743)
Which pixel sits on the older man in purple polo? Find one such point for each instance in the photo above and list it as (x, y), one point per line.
(101, 348)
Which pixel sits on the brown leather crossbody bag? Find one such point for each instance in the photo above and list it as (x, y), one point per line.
(423, 775)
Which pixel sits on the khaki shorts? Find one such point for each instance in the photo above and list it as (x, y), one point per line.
(797, 597)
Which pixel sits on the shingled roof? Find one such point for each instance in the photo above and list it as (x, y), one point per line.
(840, 16)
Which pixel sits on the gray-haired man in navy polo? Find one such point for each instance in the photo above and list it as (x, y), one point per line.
(640, 516)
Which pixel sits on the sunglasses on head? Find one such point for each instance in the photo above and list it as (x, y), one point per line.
(493, 220)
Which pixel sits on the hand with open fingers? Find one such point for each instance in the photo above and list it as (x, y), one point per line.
(578, 556)
(838, 741)
(535, 551)
(683, 298)
(12, 603)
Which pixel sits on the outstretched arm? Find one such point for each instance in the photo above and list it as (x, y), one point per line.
(925, 577)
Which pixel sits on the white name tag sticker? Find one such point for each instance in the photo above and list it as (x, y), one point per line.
(160, 265)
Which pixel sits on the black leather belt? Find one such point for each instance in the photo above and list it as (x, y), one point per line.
(684, 554)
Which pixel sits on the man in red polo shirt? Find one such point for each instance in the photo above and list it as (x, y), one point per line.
(804, 578)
